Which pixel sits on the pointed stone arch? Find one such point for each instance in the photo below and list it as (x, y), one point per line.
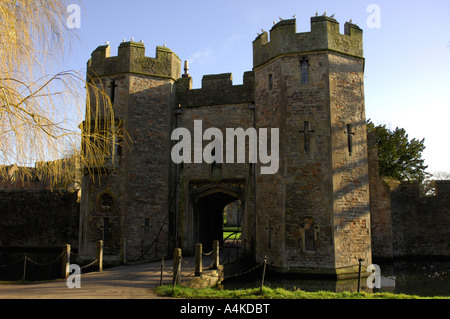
(205, 211)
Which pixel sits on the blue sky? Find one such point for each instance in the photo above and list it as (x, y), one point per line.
(407, 80)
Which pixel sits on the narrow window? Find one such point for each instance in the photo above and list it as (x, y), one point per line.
(270, 82)
(113, 91)
(350, 135)
(106, 234)
(309, 234)
(147, 226)
(304, 71)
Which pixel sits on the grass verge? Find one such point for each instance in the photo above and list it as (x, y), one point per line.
(278, 293)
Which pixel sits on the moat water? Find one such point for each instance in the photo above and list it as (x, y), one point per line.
(40, 265)
(422, 278)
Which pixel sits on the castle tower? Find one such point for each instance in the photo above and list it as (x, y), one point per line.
(314, 213)
(127, 205)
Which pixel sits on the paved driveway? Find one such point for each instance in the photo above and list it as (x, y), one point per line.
(125, 282)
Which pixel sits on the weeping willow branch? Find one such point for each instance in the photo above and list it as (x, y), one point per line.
(40, 107)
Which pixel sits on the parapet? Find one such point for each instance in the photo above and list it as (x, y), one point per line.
(131, 59)
(324, 35)
(217, 89)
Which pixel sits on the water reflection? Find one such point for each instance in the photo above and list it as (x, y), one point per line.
(420, 278)
(41, 264)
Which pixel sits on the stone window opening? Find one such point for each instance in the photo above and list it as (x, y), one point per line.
(112, 94)
(307, 131)
(146, 226)
(310, 235)
(350, 134)
(106, 231)
(304, 66)
(270, 82)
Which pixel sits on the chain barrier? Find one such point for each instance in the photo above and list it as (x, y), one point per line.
(84, 267)
(44, 264)
(208, 254)
(89, 265)
(244, 272)
(12, 263)
(20, 265)
(20, 269)
(32, 261)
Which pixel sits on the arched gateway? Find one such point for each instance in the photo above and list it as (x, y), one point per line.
(205, 214)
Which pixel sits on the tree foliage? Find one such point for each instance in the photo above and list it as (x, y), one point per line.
(399, 157)
(41, 106)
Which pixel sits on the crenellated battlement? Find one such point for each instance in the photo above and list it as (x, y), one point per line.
(324, 35)
(131, 59)
(216, 89)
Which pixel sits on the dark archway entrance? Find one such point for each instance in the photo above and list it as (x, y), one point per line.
(209, 218)
(208, 201)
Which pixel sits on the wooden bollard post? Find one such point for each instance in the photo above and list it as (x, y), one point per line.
(66, 262)
(100, 255)
(198, 260)
(216, 255)
(176, 266)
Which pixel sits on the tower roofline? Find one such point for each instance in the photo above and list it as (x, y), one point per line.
(324, 35)
(131, 59)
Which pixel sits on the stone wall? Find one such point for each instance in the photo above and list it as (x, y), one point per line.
(349, 160)
(301, 188)
(38, 219)
(403, 222)
(217, 89)
(421, 225)
(380, 206)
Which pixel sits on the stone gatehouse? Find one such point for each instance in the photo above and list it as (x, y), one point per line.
(312, 213)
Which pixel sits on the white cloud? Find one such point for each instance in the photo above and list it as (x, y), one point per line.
(201, 56)
(231, 41)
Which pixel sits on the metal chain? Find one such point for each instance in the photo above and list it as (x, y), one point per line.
(208, 254)
(44, 264)
(12, 263)
(244, 272)
(88, 265)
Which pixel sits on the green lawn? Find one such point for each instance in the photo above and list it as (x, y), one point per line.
(228, 231)
(278, 293)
